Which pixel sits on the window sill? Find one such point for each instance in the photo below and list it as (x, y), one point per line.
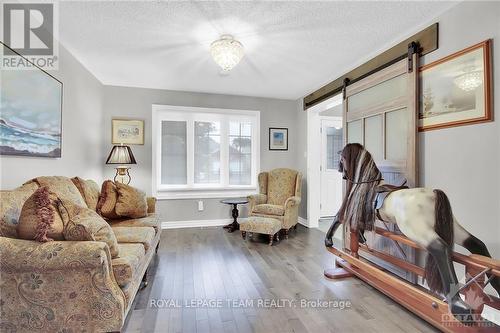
(204, 193)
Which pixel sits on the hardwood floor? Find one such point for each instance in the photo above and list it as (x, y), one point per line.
(211, 264)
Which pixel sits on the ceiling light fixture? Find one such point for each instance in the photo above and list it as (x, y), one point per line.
(469, 81)
(227, 52)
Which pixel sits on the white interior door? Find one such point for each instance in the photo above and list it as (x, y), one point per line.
(331, 179)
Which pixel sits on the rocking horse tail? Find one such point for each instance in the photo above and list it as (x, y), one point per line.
(444, 228)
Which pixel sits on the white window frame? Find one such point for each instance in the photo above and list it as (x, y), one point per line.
(190, 114)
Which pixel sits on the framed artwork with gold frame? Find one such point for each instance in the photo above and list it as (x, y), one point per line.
(456, 90)
(127, 131)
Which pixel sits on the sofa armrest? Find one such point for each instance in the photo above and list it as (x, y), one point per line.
(292, 201)
(256, 199)
(151, 204)
(291, 212)
(59, 285)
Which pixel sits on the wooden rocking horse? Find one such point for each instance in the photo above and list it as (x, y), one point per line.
(425, 218)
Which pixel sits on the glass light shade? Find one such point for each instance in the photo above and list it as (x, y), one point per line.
(227, 52)
(469, 81)
(121, 155)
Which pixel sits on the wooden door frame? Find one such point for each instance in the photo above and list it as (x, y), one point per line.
(314, 162)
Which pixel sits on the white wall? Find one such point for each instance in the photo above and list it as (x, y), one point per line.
(121, 102)
(465, 161)
(82, 128)
(462, 161)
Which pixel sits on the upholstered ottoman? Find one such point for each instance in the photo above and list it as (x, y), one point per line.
(261, 225)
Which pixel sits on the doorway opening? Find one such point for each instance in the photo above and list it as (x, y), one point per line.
(324, 182)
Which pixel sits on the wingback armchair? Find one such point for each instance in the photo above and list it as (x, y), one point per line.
(279, 197)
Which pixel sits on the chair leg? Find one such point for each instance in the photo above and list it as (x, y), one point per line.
(271, 240)
(295, 227)
(286, 233)
(277, 236)
(244, 234)
(157, 247)
(144, 282)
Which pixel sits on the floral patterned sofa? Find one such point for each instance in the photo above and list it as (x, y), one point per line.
(279, 197)
(69, 286)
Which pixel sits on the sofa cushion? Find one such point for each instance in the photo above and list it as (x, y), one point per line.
(11, 205)
(269, 209)
(89, 191)
(62, 186)
(131, 202)
(40, 219)
(84, 224)
(281, 185)
(107, 200)
(143, 235)
(149, 221)
(127, 264)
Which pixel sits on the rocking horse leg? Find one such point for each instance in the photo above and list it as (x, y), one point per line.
(329, 235)
(337, 272)
(440, 251)
(475, 246)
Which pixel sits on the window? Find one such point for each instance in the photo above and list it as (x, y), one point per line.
(334, 144)
(201, 152)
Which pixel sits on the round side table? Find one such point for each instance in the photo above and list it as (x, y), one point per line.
(234, 202)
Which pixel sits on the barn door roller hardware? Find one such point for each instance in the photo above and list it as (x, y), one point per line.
(344, 88)
(413, 48)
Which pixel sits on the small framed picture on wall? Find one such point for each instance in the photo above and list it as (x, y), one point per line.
(127, 131)
(278, 138)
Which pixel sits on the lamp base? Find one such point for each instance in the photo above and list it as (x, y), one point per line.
(123, 174)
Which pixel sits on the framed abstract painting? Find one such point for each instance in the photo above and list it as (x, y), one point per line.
(278, 138)
(30, 112)
(127, 131)
(456, 90)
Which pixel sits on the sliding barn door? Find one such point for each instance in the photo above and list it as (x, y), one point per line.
(380, 112)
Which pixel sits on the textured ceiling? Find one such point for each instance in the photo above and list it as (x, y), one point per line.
(292, 48)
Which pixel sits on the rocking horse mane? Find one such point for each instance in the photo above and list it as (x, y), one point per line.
(362, 177)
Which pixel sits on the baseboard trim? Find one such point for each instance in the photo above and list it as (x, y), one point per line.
(194, 223)
(304, 222)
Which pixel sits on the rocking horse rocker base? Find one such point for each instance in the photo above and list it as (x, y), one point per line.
(416, 298)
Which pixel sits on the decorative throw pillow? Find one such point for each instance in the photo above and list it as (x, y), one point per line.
(84, 224)
(107, 200)
(40, 219)
(11, 205)
(89, 191)
(131, 202)
(62, 186)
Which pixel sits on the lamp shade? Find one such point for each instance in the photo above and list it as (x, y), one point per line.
(121, 155)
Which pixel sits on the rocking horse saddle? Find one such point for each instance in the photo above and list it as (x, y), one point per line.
(382, 191)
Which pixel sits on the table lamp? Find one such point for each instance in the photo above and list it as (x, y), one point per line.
(121, 155)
